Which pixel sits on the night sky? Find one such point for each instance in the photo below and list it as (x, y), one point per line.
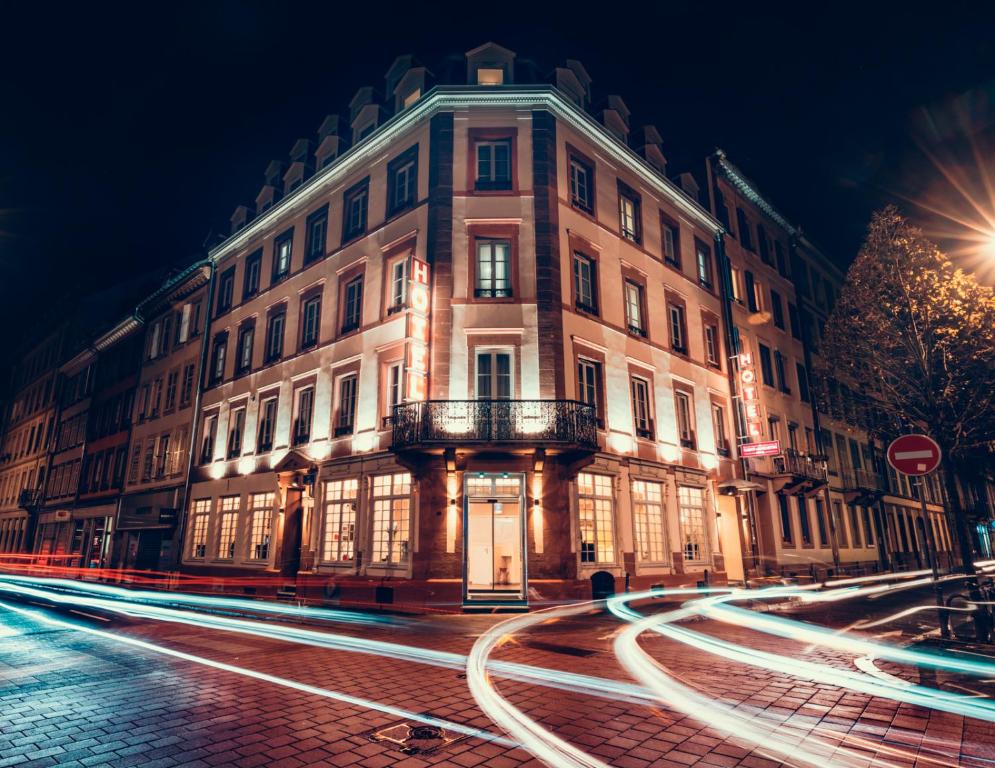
(127, 138)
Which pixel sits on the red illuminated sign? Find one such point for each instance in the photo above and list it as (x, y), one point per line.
(751, 397)
(420, 302)
(753, 450)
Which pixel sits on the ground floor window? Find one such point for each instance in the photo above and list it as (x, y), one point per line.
(691, 504)
(647, 505)
(339, 536)
(228, 527)
(820, 519)
(261, 506)
(805, 527)
(785, 513)
(840, 525)
(198, 527)
(855, 527)
(391, 518)
(868, 526)
(597, 526)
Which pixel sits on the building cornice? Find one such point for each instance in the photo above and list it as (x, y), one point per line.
(118, 332)
(449, 98)
(749, 190)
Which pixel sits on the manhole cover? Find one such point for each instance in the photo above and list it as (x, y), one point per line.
(413, 738)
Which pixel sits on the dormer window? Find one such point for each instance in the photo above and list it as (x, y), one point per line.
(490, 76)
(412, 97)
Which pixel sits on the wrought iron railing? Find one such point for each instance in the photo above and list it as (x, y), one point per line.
(793, 463)
(857, 479)
(566, 422)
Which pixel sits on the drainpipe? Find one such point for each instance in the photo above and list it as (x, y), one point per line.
(181, 516)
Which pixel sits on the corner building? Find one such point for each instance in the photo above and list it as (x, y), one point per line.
(472, 360)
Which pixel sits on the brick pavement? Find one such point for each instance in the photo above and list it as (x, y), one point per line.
(68, 698)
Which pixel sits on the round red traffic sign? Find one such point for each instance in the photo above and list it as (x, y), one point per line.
(914, 454)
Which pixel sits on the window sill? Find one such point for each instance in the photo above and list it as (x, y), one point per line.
(346, 329)
(636, 332)
(587, 310)
(579, 206)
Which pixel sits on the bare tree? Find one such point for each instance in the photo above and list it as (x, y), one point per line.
(915, 337)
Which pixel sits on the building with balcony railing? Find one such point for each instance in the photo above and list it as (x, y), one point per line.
(437, 371)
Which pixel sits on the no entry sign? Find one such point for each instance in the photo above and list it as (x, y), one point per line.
(914, 455)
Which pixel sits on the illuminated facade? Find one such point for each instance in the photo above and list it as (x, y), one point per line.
(475, 359)
(824, 497)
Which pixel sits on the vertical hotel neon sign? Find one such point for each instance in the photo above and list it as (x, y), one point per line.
(420, 303)
(751, 397)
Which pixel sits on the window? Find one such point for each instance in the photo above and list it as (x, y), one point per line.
(751, 292)
(227, 529)
(346, 413)
(777, 308)
(171, 379)
(840, 524)
(494, 376)
(865, 515)
(745, 233)
(581, 184)
(820, 522)
(855, 526)
(303, 413)
(634, 308)
(691, 507)
(596, 518)
(398, 285)
(493, 165)
(226, 287)
(490, 76)
(762, 244)
(629, 215)
(737, 294)
(200, 514)
(394, 379)
(236, 429)
(250, 282)
(402, 181)
(793, 437)
(210, 431)
(671, 242)
(352, 309)
(678, 338)
(186, 391)
(647, 501)
(781, 378)
(274, 336)
(793, 323)
(641, 413)
(317, 234)
(243, 362)
(589, 385)
(339, 538)
(162, 456)
(391, 518)
(267, 424)
(154, 404)
(354, 210)
(802, 375)
(766, 366)
(805, 529)
(782, 264)
(719, 428)
(218, 358)
(712, 344)
(787, 535)
(261, 507)
(493, 269)
(310, 319)
(585, 284)
(136, 460)
(703, 258)
(685, 419)
(282, 247)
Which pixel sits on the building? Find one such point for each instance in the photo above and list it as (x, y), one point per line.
(436, 369)
(29, 427)
(167, 391)
(826, 497)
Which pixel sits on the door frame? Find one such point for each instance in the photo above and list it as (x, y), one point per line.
(522, 595)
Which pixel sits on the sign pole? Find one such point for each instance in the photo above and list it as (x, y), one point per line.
(927, 524)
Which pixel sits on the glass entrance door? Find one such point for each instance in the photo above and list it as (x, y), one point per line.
(494, 544)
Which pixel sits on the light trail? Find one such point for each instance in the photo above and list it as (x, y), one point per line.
(313, 690)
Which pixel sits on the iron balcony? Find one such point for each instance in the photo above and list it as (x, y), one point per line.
(567, 423)
(793, 463)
